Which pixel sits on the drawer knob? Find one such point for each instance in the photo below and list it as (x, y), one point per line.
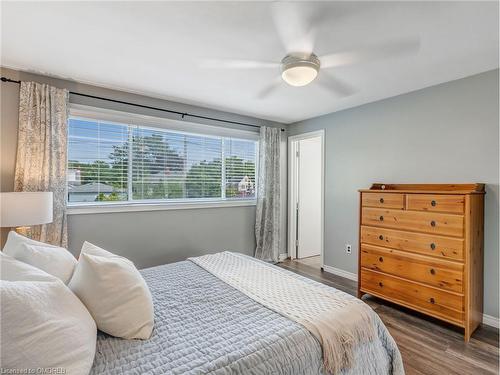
(381, 200)
(432, 271)
(433, 203)
(381, 238)
(381, 259)
(433, 223)
(433, 246)
(381, 284)
(431, 300)
(381, 218)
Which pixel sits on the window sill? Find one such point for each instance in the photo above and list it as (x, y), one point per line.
(138, 207)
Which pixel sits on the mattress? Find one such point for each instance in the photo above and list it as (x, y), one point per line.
(204, 326)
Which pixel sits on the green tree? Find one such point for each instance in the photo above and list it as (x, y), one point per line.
(99, 171)
(203, 180)
(158, 190)
(110, 197)
(150, 154)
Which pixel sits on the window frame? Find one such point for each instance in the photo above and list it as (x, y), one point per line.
(160, 123)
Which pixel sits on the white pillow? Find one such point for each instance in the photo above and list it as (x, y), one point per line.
(43, 324)
(14, 270)
(114, 292)
(15, 240)
(54, 260)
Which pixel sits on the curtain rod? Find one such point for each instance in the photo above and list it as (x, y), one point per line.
(182, 114)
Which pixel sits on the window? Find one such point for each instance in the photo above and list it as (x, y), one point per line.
(111, 162)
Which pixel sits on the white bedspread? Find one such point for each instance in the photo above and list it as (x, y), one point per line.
(338, 320)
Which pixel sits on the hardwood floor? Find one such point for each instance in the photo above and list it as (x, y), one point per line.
(314, 261)
(428, 346)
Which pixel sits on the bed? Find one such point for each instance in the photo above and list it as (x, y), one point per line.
(203, 325)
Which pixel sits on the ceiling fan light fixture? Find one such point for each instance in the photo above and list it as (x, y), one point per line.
(300, 70)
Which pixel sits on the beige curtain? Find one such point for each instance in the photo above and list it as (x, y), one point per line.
(267, 217)
(42, 152)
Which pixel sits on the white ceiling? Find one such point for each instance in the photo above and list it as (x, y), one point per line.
(154, 48)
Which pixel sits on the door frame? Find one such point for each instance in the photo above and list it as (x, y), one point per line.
(293, 176)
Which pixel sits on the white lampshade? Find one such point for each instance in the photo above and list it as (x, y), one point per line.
(25, 208)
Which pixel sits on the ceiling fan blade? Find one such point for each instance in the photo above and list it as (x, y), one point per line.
(294, 29)
(341, 88)
(237, 64)
(381, 51)
(273, 86)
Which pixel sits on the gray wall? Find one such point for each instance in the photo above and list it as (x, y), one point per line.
(446, 133)
(158, 237)
(147, 238)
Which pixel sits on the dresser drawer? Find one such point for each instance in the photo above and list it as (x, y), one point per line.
(387, 200)
(445, 305)
(436, 203)
(429, 222)
(427, 244)
(441, 274)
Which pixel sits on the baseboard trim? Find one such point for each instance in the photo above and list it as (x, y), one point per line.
(487, 319)
(491, 321)
(339, 272)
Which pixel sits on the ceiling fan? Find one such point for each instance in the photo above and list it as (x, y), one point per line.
(301, 65)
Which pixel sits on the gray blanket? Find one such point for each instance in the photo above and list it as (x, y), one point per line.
(203, 325)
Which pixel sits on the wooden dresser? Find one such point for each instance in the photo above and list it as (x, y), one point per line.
(421, 246)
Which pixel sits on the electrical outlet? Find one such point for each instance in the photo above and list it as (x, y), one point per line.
(348, 248)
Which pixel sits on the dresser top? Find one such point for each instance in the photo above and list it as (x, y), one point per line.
(472, 188)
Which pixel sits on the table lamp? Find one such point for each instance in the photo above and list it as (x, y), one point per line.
(23, 209)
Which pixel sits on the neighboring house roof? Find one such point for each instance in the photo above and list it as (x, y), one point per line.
(93, 187)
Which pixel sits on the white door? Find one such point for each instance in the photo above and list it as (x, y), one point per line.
(309, 197)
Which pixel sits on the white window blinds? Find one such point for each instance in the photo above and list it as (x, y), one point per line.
(97, 161)
(111, 162)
